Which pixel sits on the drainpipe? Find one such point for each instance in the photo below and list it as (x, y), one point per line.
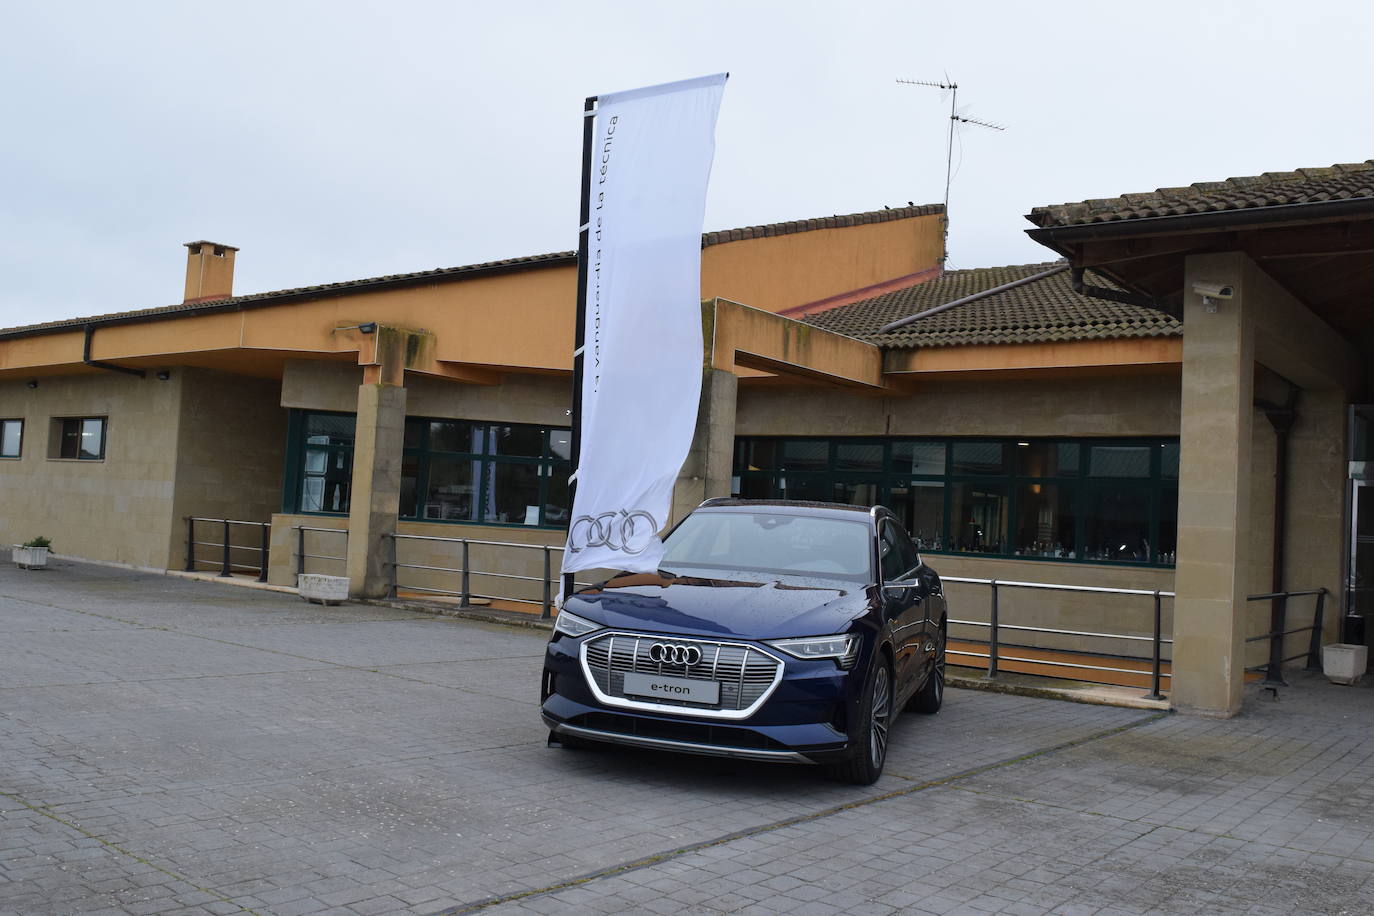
(97, 364)
(1281, 417)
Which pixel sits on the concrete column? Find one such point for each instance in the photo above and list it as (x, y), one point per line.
(1316, 511)
(376, 497)
(707, 470)
(1217, 407)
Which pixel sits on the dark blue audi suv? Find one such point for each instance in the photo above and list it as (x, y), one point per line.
(776, 630)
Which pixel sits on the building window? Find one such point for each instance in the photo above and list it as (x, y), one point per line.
(11, 438)
(486, 473)
(326, 473)
(451, 470)
(78, 438)
(1094, 500)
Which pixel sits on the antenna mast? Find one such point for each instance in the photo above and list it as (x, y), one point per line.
(955, 118)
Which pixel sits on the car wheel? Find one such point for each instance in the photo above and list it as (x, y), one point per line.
(932, 693)
(864, 768)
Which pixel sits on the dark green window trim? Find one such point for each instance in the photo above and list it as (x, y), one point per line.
(993, 488)
(421, 456)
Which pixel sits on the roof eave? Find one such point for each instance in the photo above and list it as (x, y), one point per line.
(1059, 238)
(264, 300)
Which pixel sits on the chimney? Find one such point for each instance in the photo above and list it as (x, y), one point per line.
(209, 271)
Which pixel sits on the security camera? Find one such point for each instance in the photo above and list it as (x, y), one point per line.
(1214, 290)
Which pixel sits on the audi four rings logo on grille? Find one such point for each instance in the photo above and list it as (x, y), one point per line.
(668, 653)
(627, 531)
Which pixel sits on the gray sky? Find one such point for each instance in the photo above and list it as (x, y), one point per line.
(339, 140)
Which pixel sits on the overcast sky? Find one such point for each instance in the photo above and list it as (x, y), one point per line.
(338, 140)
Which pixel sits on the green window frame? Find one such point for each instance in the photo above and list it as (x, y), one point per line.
(453, 471)
(1061, 499)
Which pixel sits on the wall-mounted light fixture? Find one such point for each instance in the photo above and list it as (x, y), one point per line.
(163, 375)
(31, 383)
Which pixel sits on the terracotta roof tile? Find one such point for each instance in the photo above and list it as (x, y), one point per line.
(1272, 189)
(1041, 312)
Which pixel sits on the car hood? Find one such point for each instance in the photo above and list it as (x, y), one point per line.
(728, 604)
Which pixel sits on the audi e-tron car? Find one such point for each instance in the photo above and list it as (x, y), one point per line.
(775, 630)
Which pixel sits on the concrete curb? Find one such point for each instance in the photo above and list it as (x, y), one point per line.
(222, 580)
(1093, 694)
(484, 614)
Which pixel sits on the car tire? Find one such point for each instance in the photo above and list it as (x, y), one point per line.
(864, 768)
(931, 696)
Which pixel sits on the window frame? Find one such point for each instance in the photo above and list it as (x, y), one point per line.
(58, 436)
(19, 452)
(1076, 483)
(547, 464)
(293, 484)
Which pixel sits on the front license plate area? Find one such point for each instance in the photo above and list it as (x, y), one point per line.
(662, 687)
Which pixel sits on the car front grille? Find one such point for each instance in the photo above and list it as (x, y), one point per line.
(746, 675)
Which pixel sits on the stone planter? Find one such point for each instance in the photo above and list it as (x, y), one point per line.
(1343, 663)
(322, 589)
(29, 557)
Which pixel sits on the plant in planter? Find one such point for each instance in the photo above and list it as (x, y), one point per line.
(32, 554)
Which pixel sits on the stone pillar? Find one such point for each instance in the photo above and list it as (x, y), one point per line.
(376, 496)
(710, 463)
(1316, 511)
(1217, 415)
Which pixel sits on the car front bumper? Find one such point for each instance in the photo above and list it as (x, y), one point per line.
(802, 721)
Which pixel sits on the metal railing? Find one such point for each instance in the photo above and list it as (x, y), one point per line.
(302, 556)
(996, 627)
(1278, 621)
(226, 546)
(465, 572)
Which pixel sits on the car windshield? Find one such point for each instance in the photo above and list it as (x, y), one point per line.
(793, 545)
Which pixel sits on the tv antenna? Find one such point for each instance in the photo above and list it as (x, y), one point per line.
(957, 116)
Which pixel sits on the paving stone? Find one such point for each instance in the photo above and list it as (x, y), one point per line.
(167, 744)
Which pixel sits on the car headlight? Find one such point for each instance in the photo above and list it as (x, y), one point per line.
(843, 649)
(572, 625)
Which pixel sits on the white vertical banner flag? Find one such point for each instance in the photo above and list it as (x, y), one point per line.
(642, 350)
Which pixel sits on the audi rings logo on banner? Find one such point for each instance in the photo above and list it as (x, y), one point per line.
(670, 654)
(629, 532)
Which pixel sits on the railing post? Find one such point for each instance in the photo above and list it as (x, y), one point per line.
(1314, 647)
(1156, 662)
(190, 543)
(992, 633)
(224, 568)
(463, 599)
(1278, 620)
(266, 551)
(300, 550)
(548, 587)
(395, 572)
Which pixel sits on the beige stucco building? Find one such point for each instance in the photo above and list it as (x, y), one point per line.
(1025, 428)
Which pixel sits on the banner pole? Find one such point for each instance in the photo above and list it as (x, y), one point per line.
(580, 329)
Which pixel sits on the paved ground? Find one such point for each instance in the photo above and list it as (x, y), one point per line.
(169, 746)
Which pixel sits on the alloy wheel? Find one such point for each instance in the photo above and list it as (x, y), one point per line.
(881, 714)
